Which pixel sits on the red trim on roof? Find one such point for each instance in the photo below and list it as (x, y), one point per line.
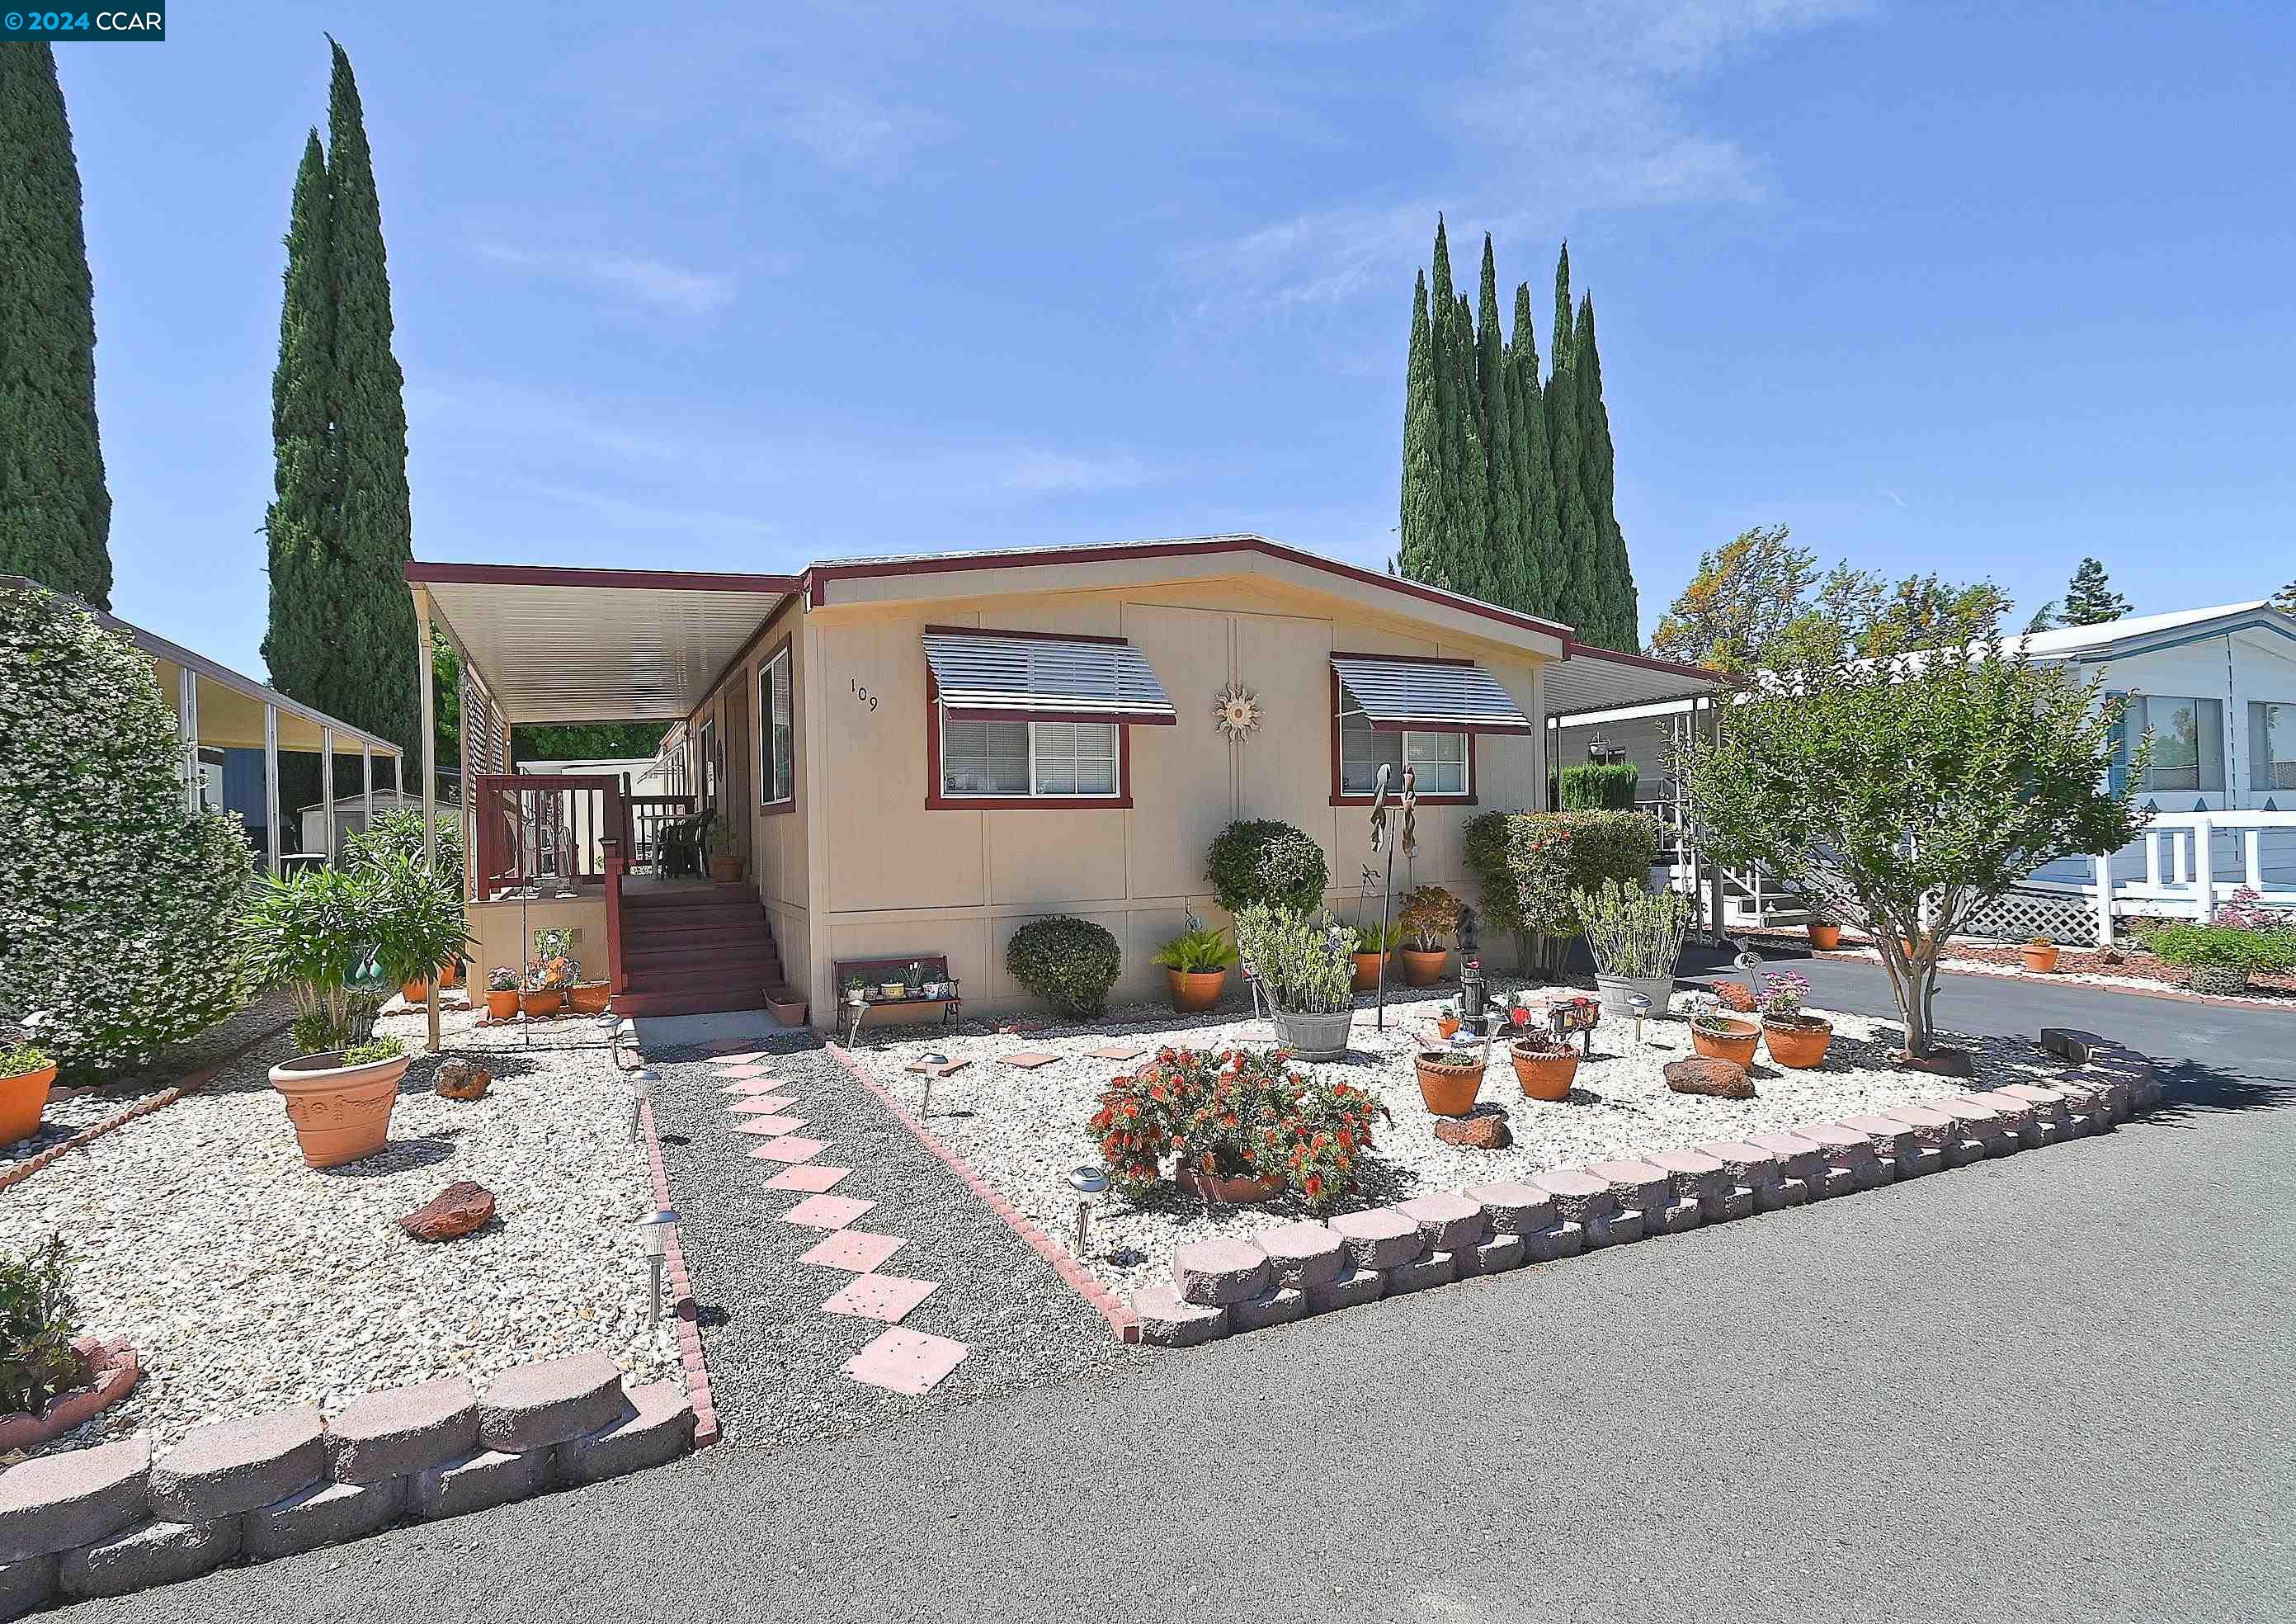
(419, 574)
(1573, 648)
(987, 631)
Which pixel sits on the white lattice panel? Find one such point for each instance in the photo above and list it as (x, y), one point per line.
(2022, 916)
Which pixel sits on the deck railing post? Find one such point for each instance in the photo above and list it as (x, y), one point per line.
(2104, 862)
(2204, 868)
(613, 861)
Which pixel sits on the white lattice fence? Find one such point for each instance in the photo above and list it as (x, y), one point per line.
(2022, 916)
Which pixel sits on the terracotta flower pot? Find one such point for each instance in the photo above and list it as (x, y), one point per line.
(450, 974)
(2040, 957)
(1446, 1024)
(1824, 935)
(787, 1003)
(1424, 969)
(1241, 1191)
(415, 992)
(1544, 1074)
(1737, 1044)
(1799, 1045)
(502, 1006)
(1195, 991)
(342, 1113)
(1449, 1083)
(1368, 971)
(22, 1098)
(725, 870)
(545, 1001)
(589, 998)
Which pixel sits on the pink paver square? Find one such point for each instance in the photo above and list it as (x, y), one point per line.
(1027, 1060)
(750, 1086)
(906, 1362)
(744, 1058)
(886, 1297)
(810, 1177)
(770, 1128)
(789, 1147)
(761, 1104)
(738, 1074)
(826, 1212)
(855, 1250)
(1117, 1051)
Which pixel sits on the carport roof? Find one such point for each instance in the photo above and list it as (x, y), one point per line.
(1589, 678)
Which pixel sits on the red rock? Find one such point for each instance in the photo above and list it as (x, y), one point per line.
(1480, 1130)
(454, 1212)
(459, 1079)
(1733, 995)
(1723, 1078)
(1939, 1063)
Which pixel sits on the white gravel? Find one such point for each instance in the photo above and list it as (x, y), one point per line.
(248, 1280)
(1023, 1131)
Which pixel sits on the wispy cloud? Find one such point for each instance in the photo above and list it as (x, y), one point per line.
(853, 133)
(654, 282)
(1893, 495)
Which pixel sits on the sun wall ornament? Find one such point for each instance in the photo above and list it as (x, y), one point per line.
(1236, 709)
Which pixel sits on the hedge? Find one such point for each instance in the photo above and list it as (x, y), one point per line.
(1598, 786)
(1528, 865)
(1263, 860)
(1067, 962)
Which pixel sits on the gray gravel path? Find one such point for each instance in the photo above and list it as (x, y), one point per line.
(774, 1357)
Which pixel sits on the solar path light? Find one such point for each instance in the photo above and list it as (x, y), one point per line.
(654, 1229)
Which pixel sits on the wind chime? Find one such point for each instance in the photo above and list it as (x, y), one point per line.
(1383, 840)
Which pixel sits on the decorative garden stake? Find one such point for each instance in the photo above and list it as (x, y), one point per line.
(1380, 840)
(654, 1229)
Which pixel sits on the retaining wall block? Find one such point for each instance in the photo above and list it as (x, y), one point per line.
(1428, 1269)
(1978, 1121)
(51, 1503)
(1562, 1240)
(1169, 1321)
(1640, 1187)
(324, 1513)
(1356, 1287)
(2017, 1117)
(1695, 1176)
(1277, 1306)
(1447, 1222)
(1578, 1195)
(478, 1481)
(1514, 1209)
(403, 1430)
(1494, 1255)
(227, 1467)
(151, 1553)
(1219, 1271)
(552, 1401)
(1621, 1228)
(1380, 1237)
(1680, 1217)
(1782, 1192)
(1797, 1157)
(1737, 1204)
(657, 1430)
(1931, 1126)
(1304, 1255)
(26, 1584)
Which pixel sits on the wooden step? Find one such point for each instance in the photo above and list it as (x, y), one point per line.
(695, 936)
(687, 1000)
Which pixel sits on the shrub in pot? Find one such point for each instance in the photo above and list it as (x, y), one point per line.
(1719, 1036)
(1374, 945)
(1635, 936)
(27, 1074)
(1070, 962)
(1196, 962)
(2040, 955)
(1796, 1038)
(1429, 915)
(1305, 966)
(548, 980)
(1530, 867)
(1263, 860)
(2243, 939)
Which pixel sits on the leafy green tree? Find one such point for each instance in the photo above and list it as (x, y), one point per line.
(588, 741)
(1542, 537)
(1904, 795)
(55, 510)
(2089, 597)
(1743, 598)
(2284, 600)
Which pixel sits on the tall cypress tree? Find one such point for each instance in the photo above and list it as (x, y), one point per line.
(1620, 619)
(341, 635)
(1526, 398)
(1578, 591)
(1419, 547)
(55, 510)
(1510, 577)
(1461, 565)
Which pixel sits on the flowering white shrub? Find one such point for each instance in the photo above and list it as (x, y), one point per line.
(115, 901)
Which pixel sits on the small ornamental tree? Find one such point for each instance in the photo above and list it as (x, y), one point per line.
(1904, 795)
(115, 901)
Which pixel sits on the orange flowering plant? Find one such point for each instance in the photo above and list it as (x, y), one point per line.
(1232, 1114)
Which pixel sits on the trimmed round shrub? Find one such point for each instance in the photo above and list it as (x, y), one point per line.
(115, 901)
(1263, 860)
(1069, 963)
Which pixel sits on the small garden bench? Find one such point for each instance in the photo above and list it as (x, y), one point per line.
(876, 975)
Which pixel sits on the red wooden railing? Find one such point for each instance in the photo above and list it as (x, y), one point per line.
(535, 827)
(615, 979)
(646, 816)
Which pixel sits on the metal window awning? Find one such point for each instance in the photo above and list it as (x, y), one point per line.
(990, 677)
(1397, 694)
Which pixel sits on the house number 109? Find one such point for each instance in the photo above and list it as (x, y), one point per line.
(862, 693)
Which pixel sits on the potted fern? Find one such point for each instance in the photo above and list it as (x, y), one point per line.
(1196, 962)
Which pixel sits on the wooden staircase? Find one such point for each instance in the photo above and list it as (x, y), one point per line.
(695, 950)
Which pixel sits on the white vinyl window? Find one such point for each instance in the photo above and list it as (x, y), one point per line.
(1027, 759)
(2271, 745)
(776, 758)
(2187, 740)
(1439, 760)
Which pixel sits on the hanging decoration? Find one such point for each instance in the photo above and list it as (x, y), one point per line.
(1236, 709)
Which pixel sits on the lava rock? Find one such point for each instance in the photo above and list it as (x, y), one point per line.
(1939, 1063)
(459, 1079)
(1484, 1128)
(454, 1212)
(1725, 1080)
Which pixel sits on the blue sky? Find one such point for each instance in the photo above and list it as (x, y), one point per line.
(1975, 289)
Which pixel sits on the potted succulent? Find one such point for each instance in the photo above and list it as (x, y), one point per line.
(340, 939)
(1635, 936)
(1304, 965)
(1446, 1021)
(1450, 1078)
(547, 982)
(502, 993)
(1196, 962)
(1796, 1038)
(893, 986)
(1718, 1035)
(856, 992)
(1824, 929)
(27, 1074)
(1430, 914)
(1544, 1064)
(1374, 946)
(2040, 955)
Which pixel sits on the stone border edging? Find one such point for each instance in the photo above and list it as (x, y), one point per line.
(1122, 1319)
(1289, 1271)
(684, 1312)
(116, 1518)
(2168, 990)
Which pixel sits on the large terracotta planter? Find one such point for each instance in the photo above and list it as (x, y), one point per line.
(415, 992)
(787, 1003)
(342, 1113)
(1737, 1044)
(22, 1098)
(1424, 969)
(1798, 1045)
(547, 1001)
(725, 870)
(502, 1006)
(1824, 935)
(1195, 991)
(1368, 971)
(450, 974)
(1544, 1074)
(1240, 1192)
(589, 998)
(2040, 957)
(1449, 1083)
